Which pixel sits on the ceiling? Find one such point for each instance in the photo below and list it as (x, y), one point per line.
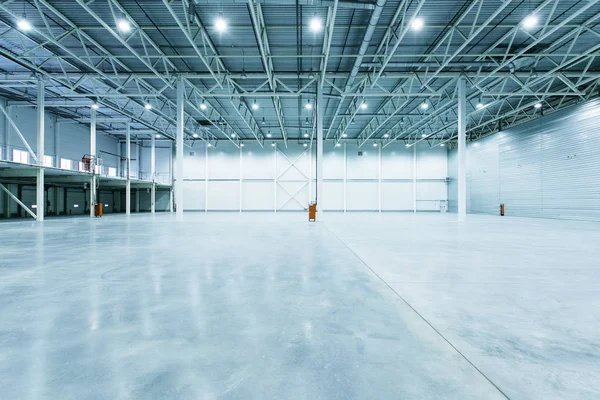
(367, 52)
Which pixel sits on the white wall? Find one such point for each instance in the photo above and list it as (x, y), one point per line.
(283, 179)
(546, 168)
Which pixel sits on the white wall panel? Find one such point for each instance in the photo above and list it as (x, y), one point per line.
(194, 192)
(431, 162)
(397, 196)
(224, 195)
(259, 163)
(361, 167)
(362, 196)
(333, 162)
(194, 166)
(333, 196)
(396, 162)
(224, 162)
(258, 195)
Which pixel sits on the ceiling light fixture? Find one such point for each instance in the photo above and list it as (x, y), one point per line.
(24, 25)
(424, 106)
(305, 144)
(148, 106)
(530, 21)
(209, 145)
(306, 121)
(308, 106)
(123, 25)
(263, 122)
(386, 135)
(269, 134)
(408, 145)
(374, 144)
(195, 135)
(337, 145)
(220, 24)
(316, 24)
(241, 144)
(344, 135)
(417, 24)
(158, 136)
(364, 105)
(273, 144)
(95, 106)
(255, 105)
(538, 105)
(423, 135)
(233, 135)
(306, 135)
(442, 144)
(203, 106)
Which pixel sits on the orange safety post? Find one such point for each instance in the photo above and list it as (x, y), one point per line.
(312, 212)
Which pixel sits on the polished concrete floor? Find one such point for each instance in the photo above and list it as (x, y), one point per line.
(268, 306)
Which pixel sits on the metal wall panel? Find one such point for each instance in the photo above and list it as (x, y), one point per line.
(278, 177)
(545, 168)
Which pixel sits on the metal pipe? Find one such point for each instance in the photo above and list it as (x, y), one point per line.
(375, 15)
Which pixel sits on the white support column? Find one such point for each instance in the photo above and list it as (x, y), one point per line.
(310, 169)
(275, 178)
(40, 201)
(57, 125)
(379, 189)
(319, 110)
(153, 174)
(345, 177)
(241, 178)
(205, 178)
(94, 161)
(414, 177)
(171, 174)
(128, 170)
(179, 149)
(4, 150)
(462, 140)
(119, 161)
(138, 169)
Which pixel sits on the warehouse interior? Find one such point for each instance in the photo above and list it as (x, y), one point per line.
(299, 199)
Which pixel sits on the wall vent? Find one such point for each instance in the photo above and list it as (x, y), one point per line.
(360, 153)
(192, 153)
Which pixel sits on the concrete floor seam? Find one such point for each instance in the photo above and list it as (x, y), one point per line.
(417, 313)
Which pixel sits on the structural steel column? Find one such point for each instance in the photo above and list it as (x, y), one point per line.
(319, 110)
(153, 175)
(241, 188)
(345, 177)
(94, 161)
(462, 139)
(379, 184)
(179, 150)
(414, 177)
(57, 143)
(128, 170)
(41, 206)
